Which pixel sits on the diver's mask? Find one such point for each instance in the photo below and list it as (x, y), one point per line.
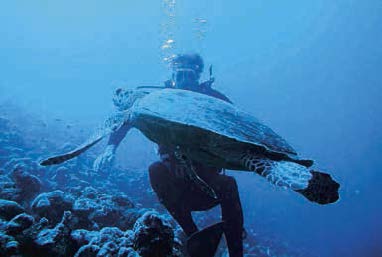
(185, 78)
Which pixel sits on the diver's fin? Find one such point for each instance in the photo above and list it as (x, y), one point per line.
(70, 155)
(204, 243)
(321, 189)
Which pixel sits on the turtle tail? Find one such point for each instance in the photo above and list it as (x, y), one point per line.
(321, 189)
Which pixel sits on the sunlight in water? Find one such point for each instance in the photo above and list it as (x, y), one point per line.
(169, 25)
(167, 30)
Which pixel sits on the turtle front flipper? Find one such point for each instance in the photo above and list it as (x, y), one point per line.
(315, 186)
(70, 155)
(113, 123)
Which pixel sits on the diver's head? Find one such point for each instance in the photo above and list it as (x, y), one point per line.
(186, 70)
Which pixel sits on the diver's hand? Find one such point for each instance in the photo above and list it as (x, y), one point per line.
(106, 159)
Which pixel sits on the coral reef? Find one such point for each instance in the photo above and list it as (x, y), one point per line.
(95, 224)
(70, 210)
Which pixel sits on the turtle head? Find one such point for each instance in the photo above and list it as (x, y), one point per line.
(123, 99)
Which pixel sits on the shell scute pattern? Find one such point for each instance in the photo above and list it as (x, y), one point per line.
(212, 115)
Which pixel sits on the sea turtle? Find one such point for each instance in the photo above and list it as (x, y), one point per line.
(208, 130)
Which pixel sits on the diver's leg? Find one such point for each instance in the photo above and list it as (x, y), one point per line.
(232, 213)
(170, 192)
(184, 219)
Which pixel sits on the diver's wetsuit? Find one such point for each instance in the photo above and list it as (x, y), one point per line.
(181, 196)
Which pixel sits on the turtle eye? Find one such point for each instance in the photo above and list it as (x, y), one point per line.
(118, 91)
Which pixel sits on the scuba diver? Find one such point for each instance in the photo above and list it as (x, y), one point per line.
(179, 195)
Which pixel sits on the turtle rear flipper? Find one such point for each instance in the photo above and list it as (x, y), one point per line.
(316, 186)
(321, 189)
(280, 173)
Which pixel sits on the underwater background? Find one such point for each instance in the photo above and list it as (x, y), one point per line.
(311, 70)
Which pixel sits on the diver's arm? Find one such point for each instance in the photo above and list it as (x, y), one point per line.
(117, 136)
(106, 159)
(214, 93)
(220, 96)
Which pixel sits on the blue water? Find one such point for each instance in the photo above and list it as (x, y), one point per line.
(310, 70)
